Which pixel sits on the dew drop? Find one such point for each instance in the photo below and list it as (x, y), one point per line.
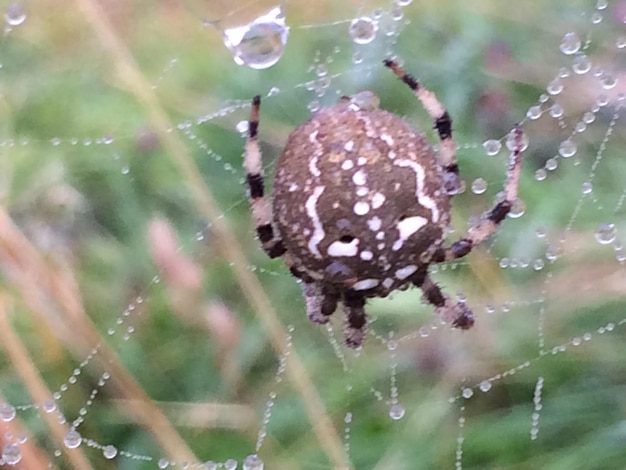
(109, 452)
(72, 439)
(534, 112)
(540, 174)
(556, 110)
(570, 44)
(596, 18)
(14, 14)
(567, 148)
(230, 464)
(589, 117)
(538, 264)
(492, 146)
(11, 454)
(252, 462)
(608, 82)
(363, 30)
(467, 392)
(479, 186)
(554, 87)
(517, 209)
(7, 412)
(605, 233)
(261, 43)
(587, 188)
(581, 64)
(551, 164)
(485, 386)
(511, 141)
(620, 42)
(357, 57)
(396, 411)
(163, 463)
(242, 127)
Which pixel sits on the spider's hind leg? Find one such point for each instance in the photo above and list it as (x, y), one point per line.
(320, 302)
(260, 206)
(446, 156)
(355, 320)
(456, 313)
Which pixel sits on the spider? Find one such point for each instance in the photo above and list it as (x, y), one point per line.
(361, 205)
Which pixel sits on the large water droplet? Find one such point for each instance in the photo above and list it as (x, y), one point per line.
(570, 44)
(260, 43)
(567, 148)
(517, 209)
(14, 14)
(363, 30)
(605, 233)
(72, 439)
(252, 462)
(230, 464)
(534, 112)
(511, 141)
(11, 454)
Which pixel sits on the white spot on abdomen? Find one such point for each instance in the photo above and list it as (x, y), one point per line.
(378, 200)
(361, 208)
(359, 178)
(318, 229)
(349, 146)
(406, 228)
(366, 255)
(365, 284)
(344, 249)
(421, 196)
(405, 272)
(347, 165)
(374, 223)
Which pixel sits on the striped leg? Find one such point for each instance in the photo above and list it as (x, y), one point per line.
(355, 320)
(442, 123)
(458, 314)
(260, 206)
(320, 302)
(490, 220)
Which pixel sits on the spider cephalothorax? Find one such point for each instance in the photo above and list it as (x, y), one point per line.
(361, 204)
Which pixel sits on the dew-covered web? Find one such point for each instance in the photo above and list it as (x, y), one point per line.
(142, 325)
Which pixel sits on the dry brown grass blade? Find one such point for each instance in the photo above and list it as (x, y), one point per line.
(23, 365)
(52, 294)
(139, 86)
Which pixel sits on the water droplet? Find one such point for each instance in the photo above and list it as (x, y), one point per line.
(570, 44)
(72, 439)
(163, 463)
(620, 42)
(551, 164)
(581, 64)
(14, 14)
(230, 464)
(511, 141)
(209, 465)
(11, 454)
(596, 18)
(392, 345)
(567, 148)
(492, 146)
(605, 233)
(396, 411)
(109, 452)
(479, 186)
(313, 106)
(363, 30)
(589, 117)
(403, 3)
(252, 462)
(534, 112)
(609, 81)
(467, 392)
(242, 127)
(587, 188)
(556, 110)
(517, 209)
(7, 412)
(357, 57)
(485, 386)
(273, 91)
(260, 43)
(49, 406)
(555, 87)
(538, 264)
(540, 174)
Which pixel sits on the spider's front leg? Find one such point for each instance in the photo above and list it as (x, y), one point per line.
(442, 122)
(260, 206)
(457, 314)
(492, 218)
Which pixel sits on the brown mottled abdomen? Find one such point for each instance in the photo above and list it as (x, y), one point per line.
(358, 198)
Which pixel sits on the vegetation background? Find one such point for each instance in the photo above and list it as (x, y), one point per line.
(100, 195)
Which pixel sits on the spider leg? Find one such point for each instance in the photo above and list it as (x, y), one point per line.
(490, 220)
(355, 320)
(442, 123)
(260, 206)
(458, 314)
(320, 302)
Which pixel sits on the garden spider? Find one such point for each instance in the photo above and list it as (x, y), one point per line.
(361, 205)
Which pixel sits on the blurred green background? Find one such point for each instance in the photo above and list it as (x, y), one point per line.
(96, 203)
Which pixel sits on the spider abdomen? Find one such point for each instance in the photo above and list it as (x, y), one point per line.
(359, 198)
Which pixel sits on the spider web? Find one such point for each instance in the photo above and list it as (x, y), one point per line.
(142, 326)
